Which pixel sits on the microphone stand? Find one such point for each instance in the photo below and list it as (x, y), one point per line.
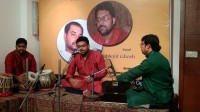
(112, 67)
(64, 70)
(26, 84)
(30, 88)
(57, 83)
(114, 83)
(93, 96)
(53, 91)
(59, 87)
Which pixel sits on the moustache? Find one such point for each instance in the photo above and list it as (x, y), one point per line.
(21, 52)
(74, 43)
(102, 26)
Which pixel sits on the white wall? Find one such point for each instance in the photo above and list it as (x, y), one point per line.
(15, 22)
(176, 44)
(33, 41)
(9, 27)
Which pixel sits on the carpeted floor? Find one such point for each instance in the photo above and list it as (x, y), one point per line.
(41, 102)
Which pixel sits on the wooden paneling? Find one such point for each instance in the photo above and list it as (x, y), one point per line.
(189, 81)
(191, 65)
(192, 17)
(191, 93)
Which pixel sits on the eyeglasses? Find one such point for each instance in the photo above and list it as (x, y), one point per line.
(103, 19)
(142, 44)
(79, 46)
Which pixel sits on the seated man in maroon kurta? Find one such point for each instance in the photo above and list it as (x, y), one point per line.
(85, 63)
(15, 62)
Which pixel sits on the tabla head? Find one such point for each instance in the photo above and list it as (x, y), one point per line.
(32, 76)
(46, 72)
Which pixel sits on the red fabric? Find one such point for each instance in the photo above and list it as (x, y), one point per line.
(94, 63)
(118, 36)
(16, 63)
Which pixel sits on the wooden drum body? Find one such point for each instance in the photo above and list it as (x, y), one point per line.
(47, 80)
(6, 85)
(31, 80)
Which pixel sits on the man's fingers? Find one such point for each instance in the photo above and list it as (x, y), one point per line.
(88, 79)
(76, 84)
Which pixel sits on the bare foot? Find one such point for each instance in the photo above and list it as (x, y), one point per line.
(86, 92)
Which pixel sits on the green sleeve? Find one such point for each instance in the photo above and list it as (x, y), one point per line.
(135, 72)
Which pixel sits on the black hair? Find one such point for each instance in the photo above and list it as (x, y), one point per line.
(105, 6)
(82, 38)
(67, 27)
(153, 41)
(21, 40)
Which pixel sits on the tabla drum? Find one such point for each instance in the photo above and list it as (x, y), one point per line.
(47, 80)
(6, 85)
(30, 85)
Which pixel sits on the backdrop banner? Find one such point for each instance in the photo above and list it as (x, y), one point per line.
(130, 21)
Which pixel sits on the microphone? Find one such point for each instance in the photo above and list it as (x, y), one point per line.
(112, 67)
(76, 52)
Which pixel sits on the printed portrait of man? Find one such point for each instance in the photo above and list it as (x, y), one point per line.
(109, 23)
(69, 33)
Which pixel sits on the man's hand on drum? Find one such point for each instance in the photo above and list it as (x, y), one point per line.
(75, 83)
(21, 78)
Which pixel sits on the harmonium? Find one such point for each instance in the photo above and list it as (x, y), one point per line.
(113, 91)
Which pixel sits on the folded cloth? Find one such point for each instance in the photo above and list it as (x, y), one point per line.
(72, 90)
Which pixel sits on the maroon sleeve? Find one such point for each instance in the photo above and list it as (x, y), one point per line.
(71, 69)
(8, 64)
(101, 66)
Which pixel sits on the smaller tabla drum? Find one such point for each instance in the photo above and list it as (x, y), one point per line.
(47, 80)
(30, 85)
(6, 85)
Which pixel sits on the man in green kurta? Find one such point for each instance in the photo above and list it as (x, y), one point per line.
(157, 82)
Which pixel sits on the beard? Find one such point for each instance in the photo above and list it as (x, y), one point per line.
(21, 52)
(104, 31)
(72, 47)
(84, 53)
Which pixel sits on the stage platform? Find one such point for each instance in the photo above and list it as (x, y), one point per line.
(41, 102)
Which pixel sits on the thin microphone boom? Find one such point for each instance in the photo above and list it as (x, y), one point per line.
(101, 70)
(113, 69)
(42, 68)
